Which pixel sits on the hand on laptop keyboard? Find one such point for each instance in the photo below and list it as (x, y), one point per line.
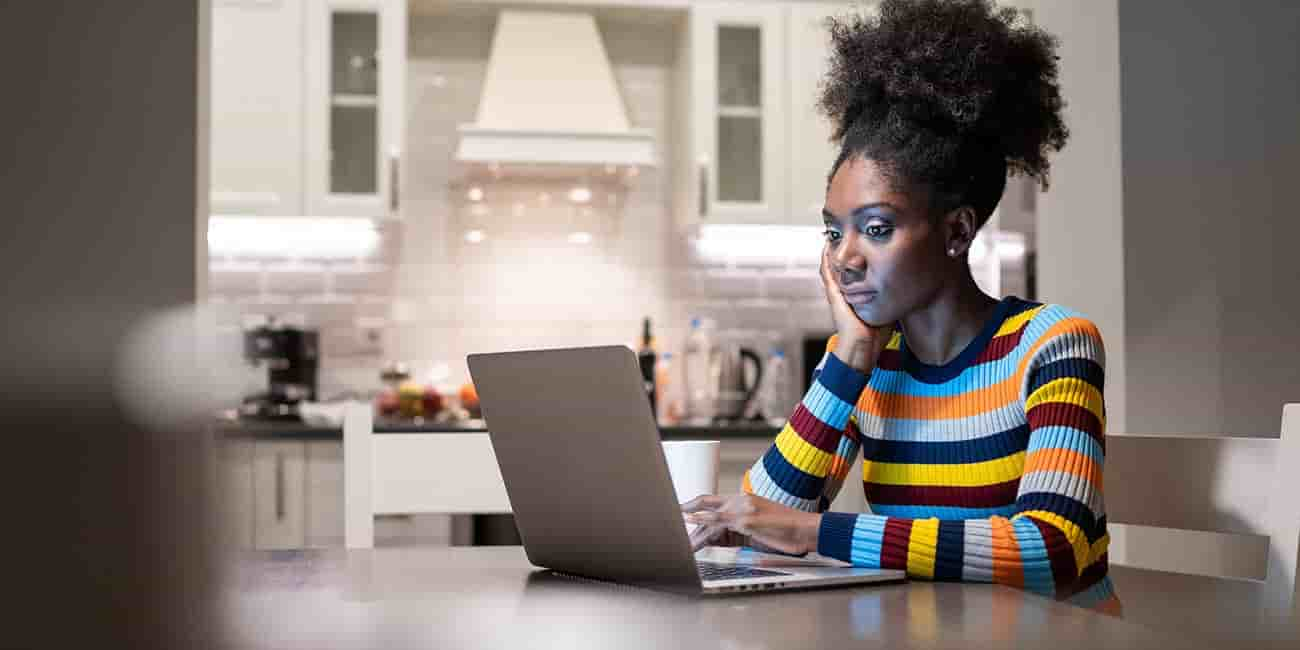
(774, 525)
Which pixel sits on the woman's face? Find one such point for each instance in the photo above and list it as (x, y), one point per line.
(887, 255)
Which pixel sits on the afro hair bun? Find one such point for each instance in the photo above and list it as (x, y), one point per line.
(932, 87)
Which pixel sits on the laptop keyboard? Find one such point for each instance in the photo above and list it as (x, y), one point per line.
(713, 571)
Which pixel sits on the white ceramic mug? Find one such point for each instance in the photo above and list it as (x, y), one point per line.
(693, 466)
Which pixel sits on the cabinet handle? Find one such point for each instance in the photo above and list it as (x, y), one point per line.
(394, 181)
(279, 487)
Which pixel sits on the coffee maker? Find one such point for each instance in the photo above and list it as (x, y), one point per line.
(291, 357)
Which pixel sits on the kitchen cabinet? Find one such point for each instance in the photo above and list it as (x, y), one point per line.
(355, 78)
(288, 494)
(811, 151)
(753, 148)
(256, 109)
(281, 494)
(307, 100)
(737, 81)
(324, 494)
(235, 503)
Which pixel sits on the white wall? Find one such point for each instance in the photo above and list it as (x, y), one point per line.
(1172, 227)
(1211, 153)
(1080, 229)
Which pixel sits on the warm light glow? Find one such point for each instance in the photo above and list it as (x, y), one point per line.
(325, 237)
(779, 244)
(474, 236)
(733, 242)
(475, 194)
(1011, 245)
(978, 249)
(579, 237)
(580, 194)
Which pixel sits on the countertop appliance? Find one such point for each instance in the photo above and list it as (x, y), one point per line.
(291, 357)
(814, 346)
(734, 393)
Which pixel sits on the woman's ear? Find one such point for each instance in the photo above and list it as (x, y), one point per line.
(960, 226)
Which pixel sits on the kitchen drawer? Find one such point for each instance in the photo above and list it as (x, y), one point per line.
(235, 502)
(279, 494)
(324, 493)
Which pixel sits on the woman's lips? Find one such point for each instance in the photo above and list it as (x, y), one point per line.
(859, 297)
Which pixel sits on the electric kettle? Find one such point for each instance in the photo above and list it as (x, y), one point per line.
(734, 394)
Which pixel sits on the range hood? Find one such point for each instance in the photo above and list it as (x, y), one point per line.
(550, 102)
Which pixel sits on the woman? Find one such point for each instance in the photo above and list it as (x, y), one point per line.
(980, 420)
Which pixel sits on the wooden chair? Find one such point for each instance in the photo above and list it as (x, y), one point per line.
(413, 473)
(1205, 530)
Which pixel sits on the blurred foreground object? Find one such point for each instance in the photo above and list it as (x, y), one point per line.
(110, 542)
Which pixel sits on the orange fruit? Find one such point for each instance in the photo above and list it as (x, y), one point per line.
(468, 396)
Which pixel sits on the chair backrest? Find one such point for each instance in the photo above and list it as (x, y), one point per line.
(409, 473)
(1218, 506)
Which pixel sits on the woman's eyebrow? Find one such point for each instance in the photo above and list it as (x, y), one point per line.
(827, 216)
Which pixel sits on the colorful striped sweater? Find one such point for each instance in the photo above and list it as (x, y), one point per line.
(988, 468)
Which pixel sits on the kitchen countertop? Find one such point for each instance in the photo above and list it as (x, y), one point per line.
(305, 431)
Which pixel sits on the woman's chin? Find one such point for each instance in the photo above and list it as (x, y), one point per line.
(871, 316)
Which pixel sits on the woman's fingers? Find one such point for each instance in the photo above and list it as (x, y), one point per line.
(847, 321)
(706, 535)
(717, 535)
(710, 518)
(704, 502)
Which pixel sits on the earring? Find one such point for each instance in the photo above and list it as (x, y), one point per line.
(952, 252)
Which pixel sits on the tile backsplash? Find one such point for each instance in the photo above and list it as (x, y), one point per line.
(428, 296)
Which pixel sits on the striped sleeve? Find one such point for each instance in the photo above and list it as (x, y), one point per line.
(810, 459)
(1054, 541)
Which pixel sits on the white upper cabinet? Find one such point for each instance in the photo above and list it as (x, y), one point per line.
(307, 100)
(738, 110)
(754, 149)
(354, 77)
(811, 151)
(256, 110)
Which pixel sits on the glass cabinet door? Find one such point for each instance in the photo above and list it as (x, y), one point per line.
(740, 114)
(739, 118)
(354, 102)
(355, 65)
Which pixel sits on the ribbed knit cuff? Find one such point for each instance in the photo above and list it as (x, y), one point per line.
(844, 381)
(835, 536)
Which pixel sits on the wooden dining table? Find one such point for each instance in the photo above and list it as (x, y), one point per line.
(492, 597)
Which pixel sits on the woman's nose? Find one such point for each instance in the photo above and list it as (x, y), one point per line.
(846, 256)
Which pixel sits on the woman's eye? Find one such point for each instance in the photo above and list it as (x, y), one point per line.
(832, 235)
(876, 231)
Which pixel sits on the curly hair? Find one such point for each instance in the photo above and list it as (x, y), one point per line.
(948, 95)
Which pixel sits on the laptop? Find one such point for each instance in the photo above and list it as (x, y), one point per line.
(580, 453)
